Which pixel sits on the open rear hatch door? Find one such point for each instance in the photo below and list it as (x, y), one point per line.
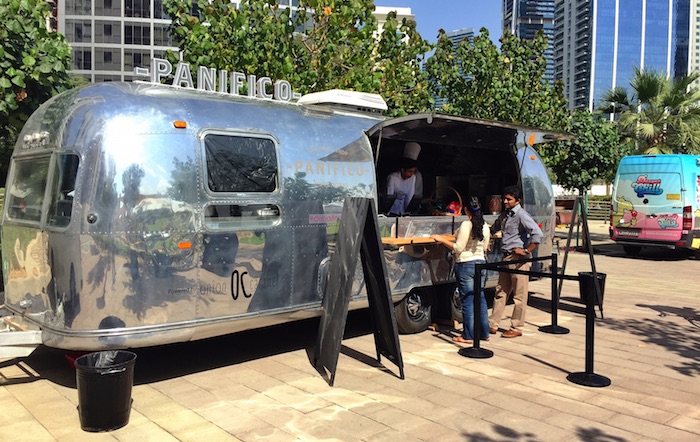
(477, 157)
(452, 130)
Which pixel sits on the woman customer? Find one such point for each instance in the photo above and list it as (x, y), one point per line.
(470, 246)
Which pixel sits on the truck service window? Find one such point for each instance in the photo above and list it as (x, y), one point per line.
(240, 164)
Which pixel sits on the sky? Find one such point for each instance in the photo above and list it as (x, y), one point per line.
(451, 15)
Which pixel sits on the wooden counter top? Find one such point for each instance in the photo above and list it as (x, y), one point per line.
(411, 240)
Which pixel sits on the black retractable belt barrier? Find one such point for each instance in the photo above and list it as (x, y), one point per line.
(591, 286)
(476, 351)
(554, 328)
(587, 378)
(591, 289)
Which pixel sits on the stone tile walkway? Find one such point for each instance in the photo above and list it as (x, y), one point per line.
(260, 385)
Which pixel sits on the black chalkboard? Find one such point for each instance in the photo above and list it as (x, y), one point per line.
(358, 233)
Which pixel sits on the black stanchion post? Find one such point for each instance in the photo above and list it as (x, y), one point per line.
(475, 351)
(588, 377)
(554, 328)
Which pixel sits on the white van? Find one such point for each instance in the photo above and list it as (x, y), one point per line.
(139, 214)
(656, 203)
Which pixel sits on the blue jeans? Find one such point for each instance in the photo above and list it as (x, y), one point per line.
(465, 271)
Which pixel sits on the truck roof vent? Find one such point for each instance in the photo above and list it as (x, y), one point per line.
(346, 100)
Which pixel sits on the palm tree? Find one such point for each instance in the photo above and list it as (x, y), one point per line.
(662, 115)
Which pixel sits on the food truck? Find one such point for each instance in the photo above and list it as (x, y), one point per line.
(139, 214)
(656, 203)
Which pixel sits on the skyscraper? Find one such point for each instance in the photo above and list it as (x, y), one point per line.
(455, 36)
(460, 34)
(524, 18)
(600, 42)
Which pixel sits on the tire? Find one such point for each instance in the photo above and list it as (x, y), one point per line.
(632, 250)
(414, 312)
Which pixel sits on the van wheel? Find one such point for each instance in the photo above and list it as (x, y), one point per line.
(632, 250)
(413, 313)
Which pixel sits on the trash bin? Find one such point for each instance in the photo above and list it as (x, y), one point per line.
(586, 286)
(104, 382)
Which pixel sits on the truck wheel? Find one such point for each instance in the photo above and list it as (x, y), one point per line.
(413, 313)
(632, 250)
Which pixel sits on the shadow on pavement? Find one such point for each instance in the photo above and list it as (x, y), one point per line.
(664, 332)
(615, 250)
(647, 253)
(506, 433)
(174, 360)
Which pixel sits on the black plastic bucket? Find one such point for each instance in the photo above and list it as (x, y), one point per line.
(104, 380)
(587, 286)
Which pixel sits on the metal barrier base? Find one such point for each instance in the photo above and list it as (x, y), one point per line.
(589, 379)
(475, 353)
(554, 329)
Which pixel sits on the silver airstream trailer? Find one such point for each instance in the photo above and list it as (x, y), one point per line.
(139, 214)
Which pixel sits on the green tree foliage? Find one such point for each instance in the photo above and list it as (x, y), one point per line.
(337, 44)
(593, 154)
(400, 53)
(33, 63)
(324, 45)
(661, 115)
(257, 39)
(480, 80)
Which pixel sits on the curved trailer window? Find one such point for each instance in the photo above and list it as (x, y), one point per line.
(28, 187)
(26, 190)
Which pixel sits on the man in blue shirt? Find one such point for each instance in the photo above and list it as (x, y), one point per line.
(521, 235)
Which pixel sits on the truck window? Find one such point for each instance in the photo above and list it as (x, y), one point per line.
(26, 190)
(62, 190)
(240, 164)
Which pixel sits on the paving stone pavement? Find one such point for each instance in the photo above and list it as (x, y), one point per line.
(260, 384)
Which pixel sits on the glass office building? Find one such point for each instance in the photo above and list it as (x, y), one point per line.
(456, 37)
(599, 43)
(459, 35)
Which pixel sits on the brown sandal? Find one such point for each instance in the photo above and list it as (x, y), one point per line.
(461, 340)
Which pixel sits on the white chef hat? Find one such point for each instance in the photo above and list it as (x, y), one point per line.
(411, 150)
